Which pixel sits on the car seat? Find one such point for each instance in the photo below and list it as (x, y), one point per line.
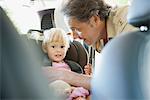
(76, 52)
(123, 72)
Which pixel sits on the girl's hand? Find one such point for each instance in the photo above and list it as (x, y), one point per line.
(88, 69)
(69, 90)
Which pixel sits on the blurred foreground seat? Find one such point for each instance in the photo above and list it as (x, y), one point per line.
(21, 75)
(124, 70)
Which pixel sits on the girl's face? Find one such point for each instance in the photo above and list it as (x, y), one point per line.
(56, 51)
(88, 31)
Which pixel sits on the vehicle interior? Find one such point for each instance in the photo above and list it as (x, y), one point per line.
(129, 76)
(17, 78)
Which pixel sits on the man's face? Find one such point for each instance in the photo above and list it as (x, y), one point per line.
(88, 31)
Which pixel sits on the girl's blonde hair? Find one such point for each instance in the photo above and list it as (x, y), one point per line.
(55, 35)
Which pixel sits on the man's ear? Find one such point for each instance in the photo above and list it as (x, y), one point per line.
(94, 20)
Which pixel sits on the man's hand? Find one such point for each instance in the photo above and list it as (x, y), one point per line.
(70, 77)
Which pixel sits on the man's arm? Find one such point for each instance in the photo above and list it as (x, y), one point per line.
(76, 79)
(70, 77)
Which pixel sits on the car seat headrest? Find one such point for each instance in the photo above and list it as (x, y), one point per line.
(139, 13)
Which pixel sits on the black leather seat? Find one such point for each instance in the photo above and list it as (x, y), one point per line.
(123, 73)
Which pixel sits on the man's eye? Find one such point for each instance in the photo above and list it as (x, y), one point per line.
(76, 31)
(62, 46)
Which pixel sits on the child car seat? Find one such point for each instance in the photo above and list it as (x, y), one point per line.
(123, 73)
(76, 52)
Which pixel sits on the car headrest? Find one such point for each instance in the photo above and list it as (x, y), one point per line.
(139, 13)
